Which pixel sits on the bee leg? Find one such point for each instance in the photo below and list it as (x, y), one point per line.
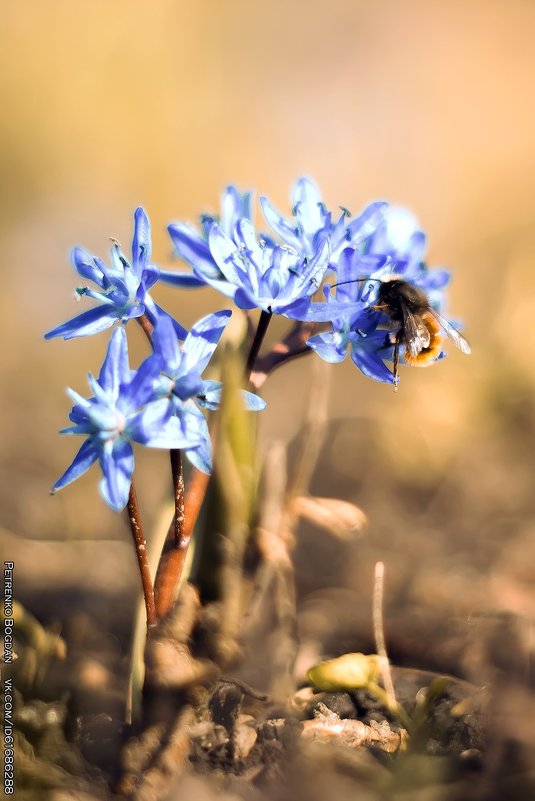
(396, 363)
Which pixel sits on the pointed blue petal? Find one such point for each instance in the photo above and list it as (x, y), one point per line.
(193, 249)
(325, 312)
(283, 227)
(141, 388)
(330, 346)
(370, 363)
(90, 322)
(252, 402)
(79, 400)
(149, 276)
(308, 205)
(244, 300)
(227, 256)
(203, 338)
(363, 226)
(141, 244)
(313, 271)
(84, 264)
(234, 205)
(201, 454)
(165, 344)
(115, 369)
(297, 310)
(155, 427)
(83, 460)
(155, 313)
(201, 457)
(187, 280)
(117, 464)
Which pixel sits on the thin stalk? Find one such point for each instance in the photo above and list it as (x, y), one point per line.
(178, 486)
(146, 325)
(378, 630)
(263, 324)
(134, 518)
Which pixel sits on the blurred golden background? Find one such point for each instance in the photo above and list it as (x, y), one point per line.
(428, 104)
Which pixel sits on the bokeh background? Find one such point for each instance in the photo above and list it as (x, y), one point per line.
(106, 106)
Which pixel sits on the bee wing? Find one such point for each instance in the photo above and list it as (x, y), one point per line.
(417, 336)
(457, 338)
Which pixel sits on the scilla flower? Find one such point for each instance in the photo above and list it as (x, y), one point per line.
(193, 247)
(313, 222)
(123, 288)
(123, 409)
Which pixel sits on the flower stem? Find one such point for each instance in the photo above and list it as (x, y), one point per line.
(173, 555)
(146, 325)
(263, 323)
(134, 518)
(178, 486)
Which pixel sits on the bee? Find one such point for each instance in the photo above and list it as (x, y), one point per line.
(414, 324)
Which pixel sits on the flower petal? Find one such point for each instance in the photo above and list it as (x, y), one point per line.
(117, 464)
(203, 338)
(86, 456)
(155, 313)
(141, 389)
(156, 427)
(141, 243)
(187, 280)
(308, 206)
(193, 249)
(84, 264)
(330, 346)
(252, 402)
(227, 256)
(234, 205)
(83, 325)
(165, 344)
(363, 226)
(115, 369)
(284, 228)
(370, 363)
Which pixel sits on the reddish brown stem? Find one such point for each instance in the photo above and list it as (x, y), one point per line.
(134, 518)
(178, 485)
(172, 559)
(146, 325)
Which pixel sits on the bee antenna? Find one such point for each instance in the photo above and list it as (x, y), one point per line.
(355, 281)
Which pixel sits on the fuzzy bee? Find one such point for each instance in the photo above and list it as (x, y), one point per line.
(414, 324)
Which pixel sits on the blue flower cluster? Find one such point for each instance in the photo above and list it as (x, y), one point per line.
(283, 271)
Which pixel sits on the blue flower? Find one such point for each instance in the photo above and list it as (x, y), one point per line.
(123, 288)
(193, 247)
(313, 222)
(123, 409)
(268, 277)
(181, 384)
